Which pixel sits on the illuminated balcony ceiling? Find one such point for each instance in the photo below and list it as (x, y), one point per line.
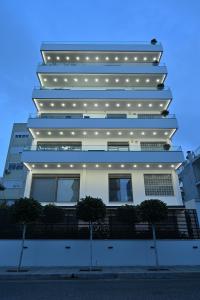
(52, 134)
(101, 57)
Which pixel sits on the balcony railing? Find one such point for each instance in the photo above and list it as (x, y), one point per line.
(100, 116)
(100, 148)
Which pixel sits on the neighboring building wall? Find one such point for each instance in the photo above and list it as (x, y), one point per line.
(14, 176)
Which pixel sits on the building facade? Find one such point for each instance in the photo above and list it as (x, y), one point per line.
(14, 175)
(189, 178)
(100, 129)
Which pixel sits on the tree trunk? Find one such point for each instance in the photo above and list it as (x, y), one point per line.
(155, 245)
(22, 247)
(91, 249)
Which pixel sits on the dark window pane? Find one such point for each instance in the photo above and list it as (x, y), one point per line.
(68, 190)
(44, 189)
(120, 190)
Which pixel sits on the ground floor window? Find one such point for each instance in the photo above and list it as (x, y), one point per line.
(120, 188)
(56, 189)
(158, 185)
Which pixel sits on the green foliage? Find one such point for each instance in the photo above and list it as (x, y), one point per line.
(90, 209)
(127, 214)
(53, 214)
(26, 210)
(153, 211)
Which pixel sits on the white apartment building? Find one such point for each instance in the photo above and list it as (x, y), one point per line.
(99, 128)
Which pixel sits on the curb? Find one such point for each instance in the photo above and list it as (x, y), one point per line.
(101, 276)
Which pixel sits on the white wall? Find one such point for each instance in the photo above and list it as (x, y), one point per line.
(123, 253)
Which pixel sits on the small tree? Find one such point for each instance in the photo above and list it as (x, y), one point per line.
(53, 214)
(91, 210)
(24, 211)
(153, 211)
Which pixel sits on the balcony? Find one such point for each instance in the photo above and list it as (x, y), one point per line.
(92, 154)
(90, 52)
(101, 76)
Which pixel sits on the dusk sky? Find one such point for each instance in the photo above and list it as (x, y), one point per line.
(25, 24)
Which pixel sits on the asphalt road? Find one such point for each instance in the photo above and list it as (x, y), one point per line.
(137, 289)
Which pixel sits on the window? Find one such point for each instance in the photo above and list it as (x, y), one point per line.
(68, 190)
(15, 166)
(120, 188)
(158, 185)
(118, 146)
(152, 146)
(116, 116)
(21, 136)
(63, 146)
(56, 189)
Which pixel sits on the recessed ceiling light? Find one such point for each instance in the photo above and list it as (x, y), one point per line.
(155, 58)
(61, 132)
(84, 166)
(108, 132)
(142, 133)
(109, 166)
(37, 132)
(166, 133)
(154, 133)
(147, 166)
(172, 166)
(161, 105)
(134, 166)
(52, 104)
(135, 58)
(107, 104)
(126, 58)
(48, 57)
(106, 58)
(96, 166)
(145, 58)
(71, 166)
(45, 79)
(137, 80)
(139, 105)
(46, 166)
(97, 58)
(65, 79)
(119, 133)
(159, 166)
(77, 58)
(131, 133)
(41, 104)
(67, 58)
(84, 104)
(58, 166)
(117, 104)
(127, 80)
(87, 58)
(128, 105)
(116, 79)
(74, 104)
(72, 133)
(122, 166)
(76, 79)
(96, 79)
(96, 133)
(106, 79)
(86, 79)
(157, 80)
(49, 132)
(55, 79)
(147, 80)
(150, 104)
(84, 133)
(33, 166)
(63, 104)
(116, 58)
(96, 105)
(58, 57)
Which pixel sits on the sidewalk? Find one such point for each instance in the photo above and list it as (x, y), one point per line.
(64, 273)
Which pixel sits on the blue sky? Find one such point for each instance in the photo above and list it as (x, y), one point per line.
(25, 24)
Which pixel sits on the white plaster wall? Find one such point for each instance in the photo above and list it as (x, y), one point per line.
(123, 253)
